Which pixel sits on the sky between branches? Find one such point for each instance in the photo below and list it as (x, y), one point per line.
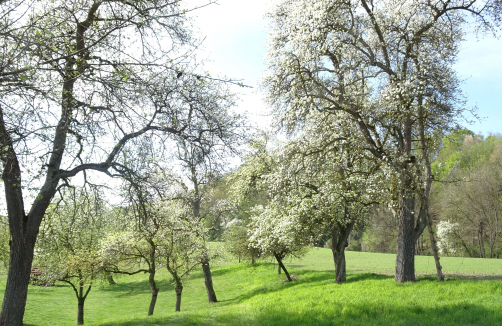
(235, 34)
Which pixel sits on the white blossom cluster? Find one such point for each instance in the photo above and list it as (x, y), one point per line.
(384, 63)
(446, 237)
(316, 180)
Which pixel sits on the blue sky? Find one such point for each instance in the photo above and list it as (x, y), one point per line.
(235, 34)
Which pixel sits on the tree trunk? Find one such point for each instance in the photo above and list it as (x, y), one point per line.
(405, 258)
(178, 289)
(16, 289)
(278, 269)
(482, 253)
(439, 268)
(492, 243)
(339, 237)
(24, 228)
(281, 265)
(23, 233)
(155, 291)
(80, 315)
(208, 280)
(110, 279)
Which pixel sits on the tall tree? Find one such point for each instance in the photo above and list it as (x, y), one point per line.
(324, 181)
(79, 81)
(202, 164)
(386, 67)
(134, 248)
(332, 179)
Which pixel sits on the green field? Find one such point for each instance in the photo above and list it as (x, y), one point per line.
(321, 259)
(256, 295)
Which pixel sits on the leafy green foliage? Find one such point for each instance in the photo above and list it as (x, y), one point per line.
(67, 248)
(468, 196)
(237, 243)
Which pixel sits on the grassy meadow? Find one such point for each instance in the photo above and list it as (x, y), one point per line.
(257, 295)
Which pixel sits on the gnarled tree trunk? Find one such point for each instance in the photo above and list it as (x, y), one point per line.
(339, 237)
(178, 288)
(16, 289)
(406, 239)
(155, 292)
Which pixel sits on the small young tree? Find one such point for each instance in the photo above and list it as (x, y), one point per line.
(67, 248)
(236, 239)
(134, 249)
(278, 235)
(131, 253)
(202, 163)
(181, 244)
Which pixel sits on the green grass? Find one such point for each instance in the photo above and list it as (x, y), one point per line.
(256, 295)
(321, 259)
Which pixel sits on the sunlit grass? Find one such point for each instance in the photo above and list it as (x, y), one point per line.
(321, 259)
(256, 295)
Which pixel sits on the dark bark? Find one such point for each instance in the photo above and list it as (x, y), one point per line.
(110, 279)
(206, 269)
(155, 291)
(23, 229)
(80, 315)
(339, 237)
(406, 239)
(481, 243)
(81, 296)
(208, 280)
(178, 289)
(281, 265)
(16, 289)
(278, 269)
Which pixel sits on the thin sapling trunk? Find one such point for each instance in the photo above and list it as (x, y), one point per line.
(281, 265)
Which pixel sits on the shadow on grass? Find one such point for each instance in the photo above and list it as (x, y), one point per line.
(367, 276)
(133, 288)
(305, 277)
(348, 314)
(475, 277)
(240, 266)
